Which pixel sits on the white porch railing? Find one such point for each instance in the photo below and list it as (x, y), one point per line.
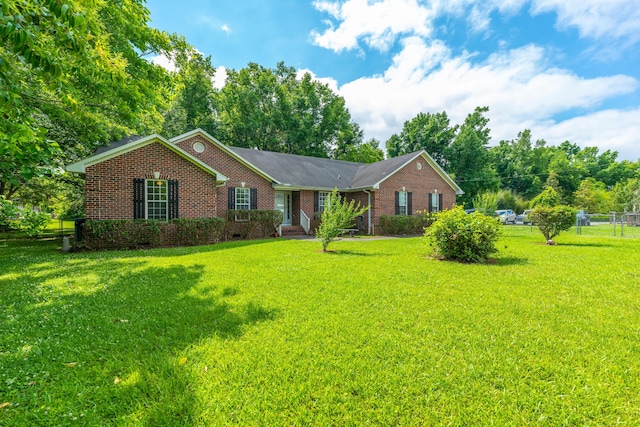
(305, 222)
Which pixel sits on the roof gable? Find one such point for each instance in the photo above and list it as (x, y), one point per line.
(373, 174)
(132, 143)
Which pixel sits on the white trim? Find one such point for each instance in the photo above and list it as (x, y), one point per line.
(80, 167)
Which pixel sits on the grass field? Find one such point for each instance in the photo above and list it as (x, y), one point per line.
(276, 332)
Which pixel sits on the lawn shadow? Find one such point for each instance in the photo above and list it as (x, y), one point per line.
(353, 253)
(586, 245)
(510, 261)
(122, 343)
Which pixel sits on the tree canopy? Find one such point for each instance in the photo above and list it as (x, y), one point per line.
(517, 168)
(73, 75)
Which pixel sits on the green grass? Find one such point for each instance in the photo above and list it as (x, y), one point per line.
(277, 333)
(52, 230)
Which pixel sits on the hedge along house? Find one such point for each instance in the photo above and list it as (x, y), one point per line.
(196, 176)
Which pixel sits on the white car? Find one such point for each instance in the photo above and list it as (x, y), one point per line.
(507, 216)
(524, 217)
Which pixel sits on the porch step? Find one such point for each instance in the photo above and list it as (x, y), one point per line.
(292, 230)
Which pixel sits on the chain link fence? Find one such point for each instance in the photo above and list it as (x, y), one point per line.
(618, 224)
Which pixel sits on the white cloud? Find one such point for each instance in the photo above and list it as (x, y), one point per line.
(330, 82)
(615, 130)
(220, 78)
(226, 29)
(597, 19)
(378, 24)
(520, 89)
(165, 62)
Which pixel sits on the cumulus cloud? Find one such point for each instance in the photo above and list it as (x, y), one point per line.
(378, 24)
(597, 19)
(521, 90)
(615, 130)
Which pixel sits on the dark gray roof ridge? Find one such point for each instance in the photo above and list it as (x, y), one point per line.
(124, 141)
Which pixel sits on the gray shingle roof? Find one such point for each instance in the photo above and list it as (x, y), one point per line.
(301, 171)
(314, 172)
(370, 174)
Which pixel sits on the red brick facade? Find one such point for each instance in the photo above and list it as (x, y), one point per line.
(420, 182)
(109, 184)
(236, 172)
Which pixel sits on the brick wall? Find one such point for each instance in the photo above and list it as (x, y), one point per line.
(236, 172)
(109, 184)
(420, 182)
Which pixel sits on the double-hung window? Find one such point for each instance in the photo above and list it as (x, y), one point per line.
(323, 200)
(243, 199)
(435, 202)
(402, 203)
(157, 199)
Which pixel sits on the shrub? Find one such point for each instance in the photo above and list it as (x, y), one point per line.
(458, 236)
(549, 197)
(8, 214)
(551, 220)
(34, 223)
(404, 224)
(193, 231)
(337, 216)
(486, 203)
(122, 234)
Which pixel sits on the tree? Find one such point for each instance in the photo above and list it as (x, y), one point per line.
(192, 106)
(520, 166)
(430, 132)
(592, 196)
(549, 216)
(337, 216)
(367, 152)
(468, 160)
(271, 109)
(80, 66)
(626, 197)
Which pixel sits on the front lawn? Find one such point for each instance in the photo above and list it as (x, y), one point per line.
(276, 332)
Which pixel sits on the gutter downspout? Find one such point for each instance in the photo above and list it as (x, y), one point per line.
(368, 212)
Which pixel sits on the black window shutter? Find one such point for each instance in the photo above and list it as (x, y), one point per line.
(316, 201)
(138, 198)
(231, 199)
(397, 203)
(430, 202)
(253, 194)
(409, 203)
(173, 199)
(440, 202)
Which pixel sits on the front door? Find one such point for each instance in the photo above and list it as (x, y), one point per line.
(283, 204)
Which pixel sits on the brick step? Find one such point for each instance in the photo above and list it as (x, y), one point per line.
(293, 230)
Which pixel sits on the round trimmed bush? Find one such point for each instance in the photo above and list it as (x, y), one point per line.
(456, 235)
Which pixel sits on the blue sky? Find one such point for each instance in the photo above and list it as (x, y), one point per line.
(566, 69)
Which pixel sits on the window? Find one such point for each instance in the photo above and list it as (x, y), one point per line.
(323, 200)
(402, 203)
(242, 199)
(157, 200)
(435, 202)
